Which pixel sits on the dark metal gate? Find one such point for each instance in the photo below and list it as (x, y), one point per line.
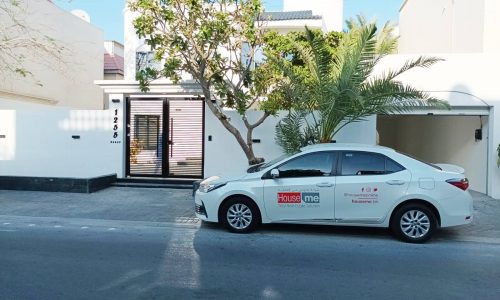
(165, 138)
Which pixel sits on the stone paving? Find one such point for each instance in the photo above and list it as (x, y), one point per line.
(114, 203)
(485, 226)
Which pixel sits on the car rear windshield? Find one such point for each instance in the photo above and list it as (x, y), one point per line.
(418, 159)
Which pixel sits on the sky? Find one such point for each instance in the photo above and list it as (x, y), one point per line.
(108, 14)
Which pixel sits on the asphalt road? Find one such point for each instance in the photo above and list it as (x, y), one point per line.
(54, 258)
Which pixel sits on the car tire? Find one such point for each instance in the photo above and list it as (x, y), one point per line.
(413, 223)
(240, 215)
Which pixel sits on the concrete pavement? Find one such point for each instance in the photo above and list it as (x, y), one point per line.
(115, 203)
(185, 262)
(159, 206)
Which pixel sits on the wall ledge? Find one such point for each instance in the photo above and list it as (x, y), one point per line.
(57, 184)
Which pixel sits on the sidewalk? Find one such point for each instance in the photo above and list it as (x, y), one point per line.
(114, 203)
(176, 206)
(485, 226)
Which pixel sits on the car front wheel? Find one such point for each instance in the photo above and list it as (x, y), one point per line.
(240, 215)
(413, 223)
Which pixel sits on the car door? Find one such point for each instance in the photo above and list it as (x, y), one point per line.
(304, 189)
(367, 186)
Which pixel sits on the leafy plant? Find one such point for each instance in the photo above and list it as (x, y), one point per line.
(342, 87)
(291, 134)
(135, 148)
(498, 159)
(22, 43)
(205, 40)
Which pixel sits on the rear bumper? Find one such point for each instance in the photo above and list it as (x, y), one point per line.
(456, 209)
(450, 221)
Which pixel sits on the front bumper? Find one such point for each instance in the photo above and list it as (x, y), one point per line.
(206, 208)
(199, 209)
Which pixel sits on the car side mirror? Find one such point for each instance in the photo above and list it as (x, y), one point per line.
(275, 173)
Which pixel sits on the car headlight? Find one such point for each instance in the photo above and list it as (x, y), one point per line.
(208, 187)
(209, 184)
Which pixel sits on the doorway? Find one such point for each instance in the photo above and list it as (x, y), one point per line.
(165, 137)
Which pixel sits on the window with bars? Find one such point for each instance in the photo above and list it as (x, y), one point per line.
(147, 131)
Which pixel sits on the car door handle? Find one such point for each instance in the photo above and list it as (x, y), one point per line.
(324, 184)
(395, 182)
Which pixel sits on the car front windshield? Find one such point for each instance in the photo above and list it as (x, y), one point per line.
(262, 166)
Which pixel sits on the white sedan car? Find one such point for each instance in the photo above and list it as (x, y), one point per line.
(341, 184)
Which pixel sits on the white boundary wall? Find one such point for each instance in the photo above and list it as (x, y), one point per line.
(38, 140)
(223, 155)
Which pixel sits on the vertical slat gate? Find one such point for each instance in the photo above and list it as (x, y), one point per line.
(146, 143)
(185, 138)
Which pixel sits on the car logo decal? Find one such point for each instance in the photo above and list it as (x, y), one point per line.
(298, 197)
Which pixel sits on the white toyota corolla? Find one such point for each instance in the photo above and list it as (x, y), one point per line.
(341, 184)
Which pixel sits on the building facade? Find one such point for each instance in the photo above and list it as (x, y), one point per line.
(113, 60)
(169, 132)
(465, 34)
(61, 130)
(65, 77)
(52, 122)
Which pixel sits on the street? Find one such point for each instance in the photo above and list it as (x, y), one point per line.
(71, 258)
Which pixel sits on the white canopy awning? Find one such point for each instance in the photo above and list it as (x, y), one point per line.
(461, 103)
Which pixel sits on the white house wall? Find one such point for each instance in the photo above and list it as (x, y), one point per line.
(286, 26)
(491, 26)
(131, 45)
(37, 141)
(447, 26)
(332, 11)
(70, 82)
(223, 155)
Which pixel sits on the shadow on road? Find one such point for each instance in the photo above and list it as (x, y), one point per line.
(317, 230)
(449, 234)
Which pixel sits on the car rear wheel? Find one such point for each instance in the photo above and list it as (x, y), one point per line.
(240, 215)
(413, 223)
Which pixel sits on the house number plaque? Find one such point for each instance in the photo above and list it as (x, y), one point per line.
(115, 127)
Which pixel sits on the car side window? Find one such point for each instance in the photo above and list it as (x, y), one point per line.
(367, 163)
(392, 166)
(309, 165)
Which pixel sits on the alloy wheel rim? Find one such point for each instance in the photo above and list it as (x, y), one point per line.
(415, 224)
(239, 216)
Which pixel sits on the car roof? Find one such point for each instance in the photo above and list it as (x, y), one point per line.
(345, 146)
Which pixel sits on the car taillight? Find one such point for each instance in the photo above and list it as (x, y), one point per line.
(461, 183)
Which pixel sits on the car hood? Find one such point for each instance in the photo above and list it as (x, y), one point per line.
(233, 177)
(451, 168)
(223, 179)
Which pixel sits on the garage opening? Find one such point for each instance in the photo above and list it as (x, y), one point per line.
(459, 140)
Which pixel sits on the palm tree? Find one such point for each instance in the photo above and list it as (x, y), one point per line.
(387, 40)
(342, 88)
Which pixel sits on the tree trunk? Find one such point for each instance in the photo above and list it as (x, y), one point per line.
(246, 146)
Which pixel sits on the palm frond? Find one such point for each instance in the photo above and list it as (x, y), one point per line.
(358, 57)
(420, 62)
(343, 89)
(289, 135)
(387, 41)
